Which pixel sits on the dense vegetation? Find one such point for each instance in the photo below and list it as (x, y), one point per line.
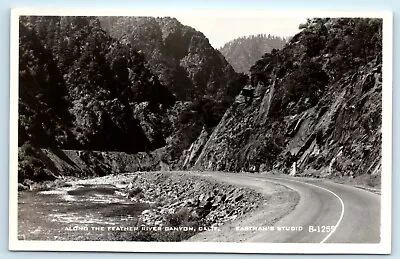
(128, 88)
(182, 57)
(78, 87)
(243, 52)
(202, 81)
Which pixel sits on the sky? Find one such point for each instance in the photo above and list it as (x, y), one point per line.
(220, 30)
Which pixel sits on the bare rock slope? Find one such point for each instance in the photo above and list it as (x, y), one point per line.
(307, 106)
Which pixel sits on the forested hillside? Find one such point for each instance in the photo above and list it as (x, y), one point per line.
(243, 52)
(79, 87)
(182, 57)
(140, 85)
(202, 81)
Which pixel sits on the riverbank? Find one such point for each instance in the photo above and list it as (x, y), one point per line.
(166, 206)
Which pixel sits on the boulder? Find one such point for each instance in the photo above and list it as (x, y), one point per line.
(238, 197)
(22, 187)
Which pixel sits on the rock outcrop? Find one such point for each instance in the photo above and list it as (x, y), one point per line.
(304, 109)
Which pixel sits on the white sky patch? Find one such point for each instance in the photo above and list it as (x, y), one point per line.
(220, 30)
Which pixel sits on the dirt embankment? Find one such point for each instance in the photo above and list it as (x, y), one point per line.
(38, 168)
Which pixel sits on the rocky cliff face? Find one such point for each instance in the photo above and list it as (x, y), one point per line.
(299, 108)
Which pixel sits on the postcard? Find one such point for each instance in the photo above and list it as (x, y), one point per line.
(202, 131)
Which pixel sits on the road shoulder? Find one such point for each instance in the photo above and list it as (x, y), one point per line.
(279, 201)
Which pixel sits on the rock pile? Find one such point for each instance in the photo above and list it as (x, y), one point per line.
(180, 199)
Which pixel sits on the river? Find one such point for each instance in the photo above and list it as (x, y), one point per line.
(82, 212)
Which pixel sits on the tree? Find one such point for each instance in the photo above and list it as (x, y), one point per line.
(43, 110)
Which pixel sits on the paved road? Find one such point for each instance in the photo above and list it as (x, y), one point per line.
(327, 212)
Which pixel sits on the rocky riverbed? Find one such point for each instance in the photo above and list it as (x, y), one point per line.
(174, 205)
(169, 193)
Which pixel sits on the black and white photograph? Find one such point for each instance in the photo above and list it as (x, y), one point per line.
(200, 131)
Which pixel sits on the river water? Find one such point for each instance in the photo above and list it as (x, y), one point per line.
(82, 212)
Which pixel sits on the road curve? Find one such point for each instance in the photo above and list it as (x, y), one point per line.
(355, 213)
(327, 212)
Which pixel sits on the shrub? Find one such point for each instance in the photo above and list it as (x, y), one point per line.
(183, 217)
(134, 191)
(308, 82)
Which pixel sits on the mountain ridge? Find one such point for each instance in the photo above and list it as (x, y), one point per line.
(244, 51)
(314, 105)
